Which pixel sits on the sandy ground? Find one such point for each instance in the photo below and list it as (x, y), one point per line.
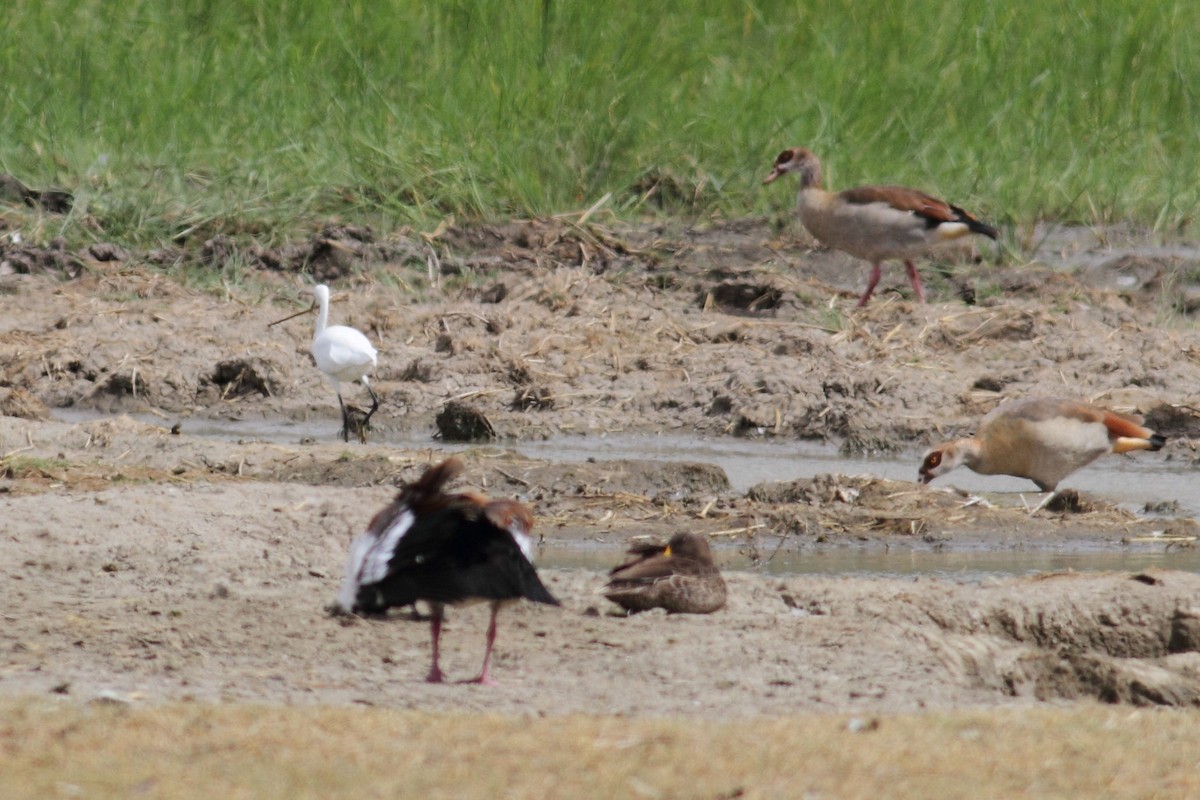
(157, 565)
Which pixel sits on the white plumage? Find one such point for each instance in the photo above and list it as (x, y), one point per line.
(369, 559)
(344, 354)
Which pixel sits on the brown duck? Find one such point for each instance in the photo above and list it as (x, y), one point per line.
(679, 576)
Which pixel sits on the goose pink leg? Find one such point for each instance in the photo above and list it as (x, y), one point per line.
(435, 627)
(876, 272)
(485, 677)
(916, 280)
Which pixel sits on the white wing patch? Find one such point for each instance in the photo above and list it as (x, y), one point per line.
(521, 537)
(369, 557)
(951, 230)
(1076, 437)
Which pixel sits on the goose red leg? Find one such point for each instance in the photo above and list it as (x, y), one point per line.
(485, 678)
(916, 280)
(876, 272)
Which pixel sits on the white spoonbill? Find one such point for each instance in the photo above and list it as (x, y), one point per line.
(344, 354)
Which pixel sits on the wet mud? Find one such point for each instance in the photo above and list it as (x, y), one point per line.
(156, 563)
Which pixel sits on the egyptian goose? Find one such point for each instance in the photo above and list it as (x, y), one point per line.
(875, 222)
(345, 355)
(1041, 438)
(445, 549)
(679, 576)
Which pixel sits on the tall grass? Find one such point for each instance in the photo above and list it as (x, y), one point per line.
(254, 115)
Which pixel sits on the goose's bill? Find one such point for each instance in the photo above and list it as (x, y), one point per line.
(775, 173)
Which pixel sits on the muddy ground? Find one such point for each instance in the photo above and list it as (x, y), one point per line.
(154, 564)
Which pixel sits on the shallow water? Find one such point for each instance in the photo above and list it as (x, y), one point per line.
(1131, 481)
(965, 566)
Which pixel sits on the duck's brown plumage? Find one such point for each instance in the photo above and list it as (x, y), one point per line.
(679, 576)
(875, 223)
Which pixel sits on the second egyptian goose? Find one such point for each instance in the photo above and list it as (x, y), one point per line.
(445, 549)
(875, 223)
(1044, 439)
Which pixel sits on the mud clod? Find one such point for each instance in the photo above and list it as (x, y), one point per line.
(532, 398)
(1069, 501)
(494, 293)
(749, 298)
(418, 371)
(459, 422)
(1185, 631)
(55, 201)
(357, 423)
(1174, 421)
(240, 378)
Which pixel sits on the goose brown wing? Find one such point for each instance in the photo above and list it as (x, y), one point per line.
(931, 209)
(655, 568)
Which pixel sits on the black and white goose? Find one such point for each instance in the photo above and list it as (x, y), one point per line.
(445, 549)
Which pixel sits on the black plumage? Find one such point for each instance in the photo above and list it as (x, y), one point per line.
(451, 555)
(445, 549)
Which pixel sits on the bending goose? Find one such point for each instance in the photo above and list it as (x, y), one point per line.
(445, 549)
(875, 223)
(1043, 439)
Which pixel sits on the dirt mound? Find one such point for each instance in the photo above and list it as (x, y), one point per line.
(1115, 638)
(20, 403)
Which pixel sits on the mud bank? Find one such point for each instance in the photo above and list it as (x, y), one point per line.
(162, 565)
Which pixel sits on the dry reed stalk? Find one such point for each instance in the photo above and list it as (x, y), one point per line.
(748, 529)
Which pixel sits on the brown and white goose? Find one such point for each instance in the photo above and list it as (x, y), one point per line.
(1044, 439)
(875, 223)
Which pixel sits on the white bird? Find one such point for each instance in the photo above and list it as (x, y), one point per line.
(344, 354)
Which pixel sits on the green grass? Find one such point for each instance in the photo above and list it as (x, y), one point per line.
(260, 118)
(16, 466)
